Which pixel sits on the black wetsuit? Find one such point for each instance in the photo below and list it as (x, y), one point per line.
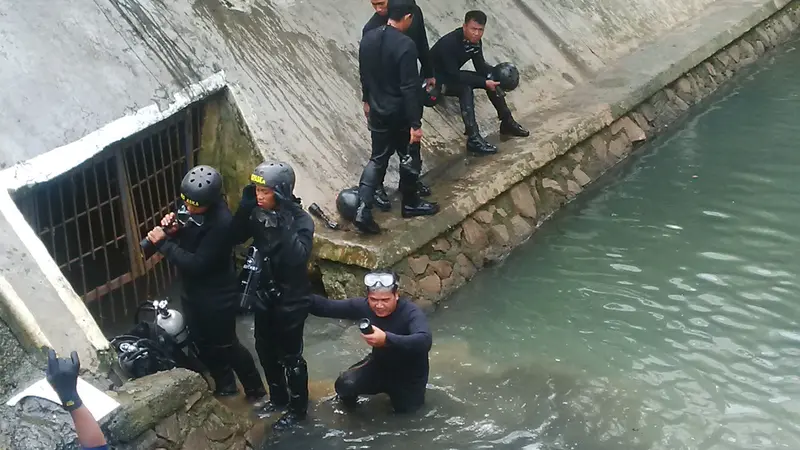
(279, 329)
(449, 54)
(420, 37)
(203, 256)
(400, 368)
(391, 84)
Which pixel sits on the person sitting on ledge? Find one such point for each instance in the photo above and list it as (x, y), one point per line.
(398, 332)
(451, 52)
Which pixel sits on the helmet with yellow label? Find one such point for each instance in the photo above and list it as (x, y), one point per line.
(278, 176)
(202, 186)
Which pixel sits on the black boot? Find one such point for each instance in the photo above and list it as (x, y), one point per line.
(477, 145)
(364, 221)
(297, 378)
(423, 190)
(413, 206)
(278, 400)
(226, 389)
(510, 127)
(382, 199)
(255, 395)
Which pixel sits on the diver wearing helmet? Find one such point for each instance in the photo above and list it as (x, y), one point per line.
(398, 332)
(283, 233)
(449, 54)
(420, 37)
(195, 240)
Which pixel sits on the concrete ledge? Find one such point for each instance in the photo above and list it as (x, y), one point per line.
(470, 183)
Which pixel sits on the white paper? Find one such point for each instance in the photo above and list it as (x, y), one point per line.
(98, 403)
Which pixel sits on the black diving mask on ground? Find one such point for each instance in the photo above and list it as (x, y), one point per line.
(184, 217)
(377, 280)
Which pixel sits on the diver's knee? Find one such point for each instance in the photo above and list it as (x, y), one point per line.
(345, 385)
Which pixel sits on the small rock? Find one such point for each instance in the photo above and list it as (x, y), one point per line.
(581, 177)
(763, 36)
(648, 112)
(442, 268)
(474, 234)
(618, 147)
(169, 429)
(723, 58)
(564, 171)
(441, 245)
(430, 285)
(573, 188)
(787, 22)
(552, 185)
(409, 286)
(456, 235)
(499, 233)
(419, 264)
(599, 145)
(634, 133)
(641, 121)
(427, 306)
(464, 266)
(522, 229)
(576, 154)
(748, 51)
(673, 97)
(735, 52)
(451, 284)
(684, 86)
(196, 440)
(711, 69)
(491, 208)
(523, 200)
(216, 430)
(760, 48)
(502, 212)
(192, 399)
(483, 216)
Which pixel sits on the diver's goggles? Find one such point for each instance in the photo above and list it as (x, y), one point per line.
(184, 217)
(379, 279)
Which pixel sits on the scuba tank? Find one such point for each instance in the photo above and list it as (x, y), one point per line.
(172, 322)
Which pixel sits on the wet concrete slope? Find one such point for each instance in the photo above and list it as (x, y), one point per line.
(290, 63)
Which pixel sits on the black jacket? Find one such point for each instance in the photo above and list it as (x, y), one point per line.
(288, 248)
(203, 256)
(408, 336)
(417, 33)
(451, 52)
(387, 64)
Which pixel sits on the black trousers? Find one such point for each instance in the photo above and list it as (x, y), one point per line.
(214, 334)
(367, 378)
(466, 100)
(279, 343)
(389, 136)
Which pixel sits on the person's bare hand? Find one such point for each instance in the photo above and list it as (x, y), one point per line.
(416, 135)
(492, 85)
(169, 224)
(431, 82)
(366, 110)
(375, 339)
(156, 235)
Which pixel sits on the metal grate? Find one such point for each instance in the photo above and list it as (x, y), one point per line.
(92, 218)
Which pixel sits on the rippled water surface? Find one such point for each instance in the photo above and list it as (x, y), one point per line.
(659, 311)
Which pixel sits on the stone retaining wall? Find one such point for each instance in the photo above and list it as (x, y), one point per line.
(449, 261)
(174, 410)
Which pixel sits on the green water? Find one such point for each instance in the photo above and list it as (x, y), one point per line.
(658, 311)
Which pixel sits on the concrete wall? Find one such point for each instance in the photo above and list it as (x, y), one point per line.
(72, 68)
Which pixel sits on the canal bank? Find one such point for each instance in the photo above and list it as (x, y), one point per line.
(492, 205)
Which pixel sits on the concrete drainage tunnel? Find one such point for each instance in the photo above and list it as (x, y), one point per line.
(621, 279)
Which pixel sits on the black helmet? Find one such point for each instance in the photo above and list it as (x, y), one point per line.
(202, 186)
(507, 74)
(347, 202)
(278, 176)
(431, 97)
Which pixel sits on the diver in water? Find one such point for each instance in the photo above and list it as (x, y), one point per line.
(449, 54)
(398, 332)
(420, 37)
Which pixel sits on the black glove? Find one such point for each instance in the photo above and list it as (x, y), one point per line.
(282, 193)
(248, 200)
(62, 374)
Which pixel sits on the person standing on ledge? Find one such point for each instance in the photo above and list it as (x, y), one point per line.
(398, 332)
(390, 83)
(420, 37)
(449, 54)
